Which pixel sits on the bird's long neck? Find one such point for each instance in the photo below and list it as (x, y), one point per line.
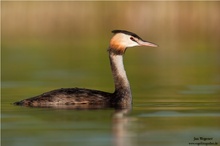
(122, 92)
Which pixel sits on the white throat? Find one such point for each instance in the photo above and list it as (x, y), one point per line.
(119, 73)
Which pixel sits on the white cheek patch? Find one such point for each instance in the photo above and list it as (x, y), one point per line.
(129, 42)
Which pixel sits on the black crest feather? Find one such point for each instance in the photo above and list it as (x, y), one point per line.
(127, 32)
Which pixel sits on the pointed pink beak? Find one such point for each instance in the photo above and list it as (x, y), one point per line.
(145, 43)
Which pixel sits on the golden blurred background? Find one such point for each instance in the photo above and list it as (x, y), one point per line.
(188, 35)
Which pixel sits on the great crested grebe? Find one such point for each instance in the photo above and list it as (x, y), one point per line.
(121, 97)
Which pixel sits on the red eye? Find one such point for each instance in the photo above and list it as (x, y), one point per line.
(132, 39)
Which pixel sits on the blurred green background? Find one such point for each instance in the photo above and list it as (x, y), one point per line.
(63, 44)
(54, 44)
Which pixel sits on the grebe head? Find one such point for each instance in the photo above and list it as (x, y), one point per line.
(123, 39)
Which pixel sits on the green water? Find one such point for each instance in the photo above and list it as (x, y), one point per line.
(175, 87)
(161, 114)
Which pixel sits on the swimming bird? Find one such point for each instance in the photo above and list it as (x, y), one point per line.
(81, 97)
